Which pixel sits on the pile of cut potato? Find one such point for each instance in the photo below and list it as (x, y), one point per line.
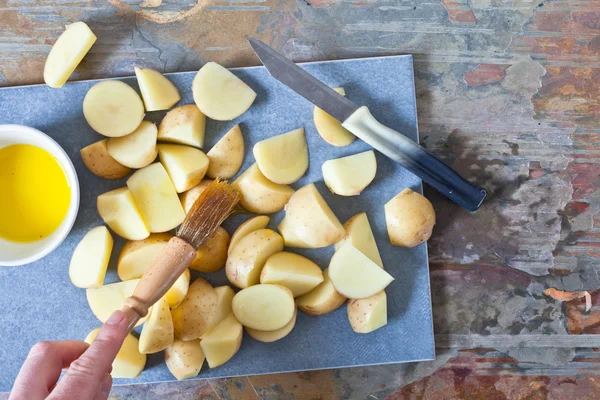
(195, 321)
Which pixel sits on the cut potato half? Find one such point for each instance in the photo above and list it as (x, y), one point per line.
(227, 155)
(212, 255)
(295, 272)
(283, 159)
(323, 299)
(369, 314)
(259, 195)
(136, 150)
(137, 256)
(264, 307)
(251, 225)
(349, 176)
(273, 336)
(158, 92)
(193, 317)
(185, 165)
(184, 359)
(330, 129)
(177, 292)
(105, 300)
(360, 234)
(290, 240)
(184, 125)
(224, 300)
(221, 343)
(190, 196)
(129, 362)
(90, 258)
(157, 333)
(119, 211)
(100, 163)
(410, 219)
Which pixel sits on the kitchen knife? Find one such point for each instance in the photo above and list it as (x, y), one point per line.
(362, 124)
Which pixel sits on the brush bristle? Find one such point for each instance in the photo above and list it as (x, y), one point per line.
(209, 211)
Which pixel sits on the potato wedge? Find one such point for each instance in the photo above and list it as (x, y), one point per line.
(227, 155)
(410, 218)
(184, 359)
(221, 342)
(136, 150)
(157, 91)
(273, 336)
(100, 163)
(188, 197)
(295, 272)
(330, 129)
(119, 211)
(185, 165)
(264, 307)
(113, 108)
(137, 256)
(105, 300)
(354, 275)
(177, 292)
(369, 314)
(183, 125)
(311, 220)
(349, 176)
(67, 52)
(289, 239)
(247, 259)
(157, 333)
(360, 234)
(193, 317)
(129, 362)
(260, 195)
(224, 300)
(156, 198)
(323, 299)
(251, 225)
(212, 255)
(90, 258)
(283, 159)
(219, 94)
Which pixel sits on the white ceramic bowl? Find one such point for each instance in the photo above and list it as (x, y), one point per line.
(12, 253)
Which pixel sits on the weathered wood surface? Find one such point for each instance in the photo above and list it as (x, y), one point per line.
(507, 93)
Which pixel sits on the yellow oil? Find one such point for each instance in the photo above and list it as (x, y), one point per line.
(34, 193)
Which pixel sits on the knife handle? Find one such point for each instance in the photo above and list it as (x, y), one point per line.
(415, 158)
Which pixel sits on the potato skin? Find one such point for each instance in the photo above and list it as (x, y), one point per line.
(410, 219)
(368, 314)
(212, 255)
(100, 163)
(193, 317)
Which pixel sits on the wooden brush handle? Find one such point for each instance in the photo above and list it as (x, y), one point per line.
(158, 279)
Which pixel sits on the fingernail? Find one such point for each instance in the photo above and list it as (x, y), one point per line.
(115, 318)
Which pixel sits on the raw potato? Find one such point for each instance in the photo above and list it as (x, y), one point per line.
(221, 343)
(90, 258)
(193, 317)
(188, 197)
(119, 211)
(330, 129)
(177, 292)
(156, 198)
(273, 336)
(311, 220)
(323, 299)
(100, 163)
(184, 359)
(185, 165)
(354, 275)
(136, 150)
(367, 315)
(105, 300)
(289, 238)
(247, 259)
(260, 195)
(157, 91)
(113, 108)
(183, 125)
(157, 332)
(129, 362)
(67, 52)
(219, 94)
(251, 225)
(295, 272)
(410, 218)
(360, 234)
(283, 159)
(212, 255)
(264, 307)
(349, 176)
(137, 256)
(224, 299)
(227, 155)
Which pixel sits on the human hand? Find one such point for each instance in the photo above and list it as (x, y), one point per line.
(89, 366)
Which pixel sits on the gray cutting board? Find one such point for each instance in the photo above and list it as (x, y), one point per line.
(39, 303)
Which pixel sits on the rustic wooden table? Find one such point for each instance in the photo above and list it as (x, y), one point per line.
(507, 93)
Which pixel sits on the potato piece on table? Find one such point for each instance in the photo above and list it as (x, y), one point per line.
(224, 299)
(100, 163)
(311, 220)
(105, 300)
(273, 336)
(129, 362)
(290, 240)
(247, 259)
(156, 198)
(185, 165)
(323, 299)
(184, 125)
(265, 307)
(360, 234)
(258, 194)
(157, 333)
(227, 155)
(137, 256)
(177, 292)
(67, 52)
(283, 159)
(193, 317)
(212, 255)
(119, 211)
(90, 258)
(219, 94)
(184, 359)
(295, 272)
(188, 197)
(221, 342)
(113, 108)
(410, 218)
(368, 314)
(354, 275)
(136, 150)
(251, 225)
(158, 92)
(330, 129)
(349, 176)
